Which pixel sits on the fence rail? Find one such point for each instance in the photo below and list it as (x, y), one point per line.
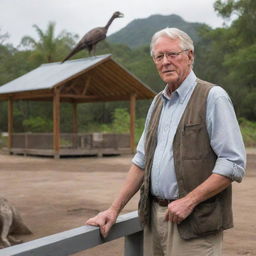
(71, 140)
(71, 144)
(82, 238)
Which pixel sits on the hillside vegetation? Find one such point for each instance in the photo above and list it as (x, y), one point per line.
(140, 31)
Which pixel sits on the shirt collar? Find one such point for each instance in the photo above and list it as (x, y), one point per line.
(187, 85)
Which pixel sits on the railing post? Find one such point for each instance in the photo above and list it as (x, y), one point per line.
(134, 244)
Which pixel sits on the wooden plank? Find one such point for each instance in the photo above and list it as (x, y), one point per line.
(134, 80)
(124, 80)
(132, 121)
(74, 85)
(87, 84)
(39, 95)
(118, 83)
(80, 98)
(99, 84)
(73, 96)
(96, 97)
(65, 87)
(33, 152)
(143, 91)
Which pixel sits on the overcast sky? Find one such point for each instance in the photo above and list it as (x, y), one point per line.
(78, 16)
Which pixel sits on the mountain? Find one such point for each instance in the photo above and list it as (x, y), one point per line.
(139, 31)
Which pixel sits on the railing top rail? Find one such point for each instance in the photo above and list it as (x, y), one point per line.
(75, 240)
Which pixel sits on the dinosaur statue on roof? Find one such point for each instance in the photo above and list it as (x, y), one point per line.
(94, 36)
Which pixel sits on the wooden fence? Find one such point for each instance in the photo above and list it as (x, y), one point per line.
(71, 144)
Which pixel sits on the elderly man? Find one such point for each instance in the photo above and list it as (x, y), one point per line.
(190, 152)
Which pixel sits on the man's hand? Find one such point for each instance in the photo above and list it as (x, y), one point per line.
(104, 220)
(179, 210)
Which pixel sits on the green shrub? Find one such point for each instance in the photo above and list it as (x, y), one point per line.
(248, 130)
(121, 120)
(37, 124)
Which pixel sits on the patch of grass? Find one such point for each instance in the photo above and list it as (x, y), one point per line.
(248, 129)
(3, 141)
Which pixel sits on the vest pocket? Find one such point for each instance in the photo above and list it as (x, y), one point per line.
(207, 218)
(195, 142)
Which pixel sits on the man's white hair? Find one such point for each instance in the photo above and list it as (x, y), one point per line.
(186, 42)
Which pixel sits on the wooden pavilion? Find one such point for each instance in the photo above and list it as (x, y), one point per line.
(92, 79)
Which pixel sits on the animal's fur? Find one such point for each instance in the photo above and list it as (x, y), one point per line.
(10, 224)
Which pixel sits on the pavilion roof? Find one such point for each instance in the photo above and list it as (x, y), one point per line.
(98, 78)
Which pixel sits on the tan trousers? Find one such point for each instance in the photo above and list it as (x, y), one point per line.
(163, 239)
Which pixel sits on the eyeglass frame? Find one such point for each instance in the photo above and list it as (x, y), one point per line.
(169, 55)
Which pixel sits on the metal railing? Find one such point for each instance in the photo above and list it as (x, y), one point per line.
(82, 238)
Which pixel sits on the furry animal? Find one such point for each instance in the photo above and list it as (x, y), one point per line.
(92, 37)
(10, 224)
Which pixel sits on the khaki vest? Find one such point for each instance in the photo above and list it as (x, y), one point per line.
(194, 161)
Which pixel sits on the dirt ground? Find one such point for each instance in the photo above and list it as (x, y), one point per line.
(55, 195)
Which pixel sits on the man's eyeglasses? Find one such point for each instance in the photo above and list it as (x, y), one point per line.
(169, 55)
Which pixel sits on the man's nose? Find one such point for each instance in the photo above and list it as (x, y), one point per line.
(166, 60)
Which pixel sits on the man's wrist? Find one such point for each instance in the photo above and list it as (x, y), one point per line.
(117, 209)
(192, 199)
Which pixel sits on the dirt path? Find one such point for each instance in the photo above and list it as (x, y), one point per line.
(57, 195)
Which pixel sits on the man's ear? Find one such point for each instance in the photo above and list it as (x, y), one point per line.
(191, 56)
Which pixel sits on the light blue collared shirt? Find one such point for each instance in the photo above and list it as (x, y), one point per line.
(223, 129)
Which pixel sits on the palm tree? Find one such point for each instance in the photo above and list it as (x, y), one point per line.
(3, 37)
(49, 48)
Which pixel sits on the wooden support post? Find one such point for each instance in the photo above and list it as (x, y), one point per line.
(74, 125)
(132, 122)
(56, 122)
(10, 124)
(74, 118)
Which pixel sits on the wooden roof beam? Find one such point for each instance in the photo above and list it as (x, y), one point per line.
(32, 95)
(88, 98)
(86, 85)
